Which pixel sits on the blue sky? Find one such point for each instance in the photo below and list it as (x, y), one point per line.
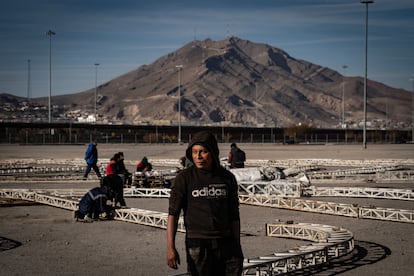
(123, 35)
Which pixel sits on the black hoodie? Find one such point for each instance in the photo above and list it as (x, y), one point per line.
(207, 140)
(209, 199)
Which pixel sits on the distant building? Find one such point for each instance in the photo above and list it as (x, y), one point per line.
(90, 119)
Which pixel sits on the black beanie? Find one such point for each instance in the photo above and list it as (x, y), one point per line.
(207, 140)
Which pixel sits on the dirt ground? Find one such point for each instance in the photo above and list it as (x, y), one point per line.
(42, 240)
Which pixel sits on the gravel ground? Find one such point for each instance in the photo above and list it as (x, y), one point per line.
(42, 240)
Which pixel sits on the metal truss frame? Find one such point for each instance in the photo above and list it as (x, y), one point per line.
(275, 187)
(330, 245)
(388, 214)
(329, 242)
(398, 194)
(329, 174)
(45, 169)
(146, 192)
(300, 205)
(389, 172)
(68, 199)
(331, 208)
(146, 217)
(133, 215)
(285, 163)
(41, 197)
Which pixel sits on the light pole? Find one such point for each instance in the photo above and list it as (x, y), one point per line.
(343, 95)
(364, 139)
(28, 79)
(255, 85)
(412, 111)
(96, 89)
(50, 33)
(180, 67)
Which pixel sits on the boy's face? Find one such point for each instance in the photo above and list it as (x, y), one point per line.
(202, 158)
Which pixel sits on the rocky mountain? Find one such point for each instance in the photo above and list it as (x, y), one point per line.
(238, 82)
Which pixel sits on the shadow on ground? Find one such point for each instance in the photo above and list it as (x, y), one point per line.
(7, 244)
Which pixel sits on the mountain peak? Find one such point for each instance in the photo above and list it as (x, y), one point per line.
(236, 81)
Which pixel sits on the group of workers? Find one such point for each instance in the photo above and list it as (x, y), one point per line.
(204, 191)
(93, 204)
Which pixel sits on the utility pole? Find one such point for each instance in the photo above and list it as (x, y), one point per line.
(28, 80)
(364, 139)
(50, 33)
(96, 90)
(179, 67)
(343, 95)
(412, 110)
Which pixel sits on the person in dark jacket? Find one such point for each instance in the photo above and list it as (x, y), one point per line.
(236, 157)
(145, 168)
(185, 162)
(93, 203)
(122, 170)
(207, 194)
(91, 158)
(115, 181)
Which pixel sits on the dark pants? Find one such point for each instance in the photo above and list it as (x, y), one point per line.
(117, 187)
(88, 170)
(237, 165)
(215, 257)
(92, 213)
(126, 178)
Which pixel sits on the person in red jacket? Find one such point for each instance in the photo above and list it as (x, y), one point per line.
(145, 168)
(115, 181)
(207, 194)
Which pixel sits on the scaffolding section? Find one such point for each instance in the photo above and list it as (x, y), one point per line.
(380, 193)
(66, 201)
(328, 242)
(331, 208)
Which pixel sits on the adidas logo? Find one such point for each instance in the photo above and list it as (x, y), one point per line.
(210, 192)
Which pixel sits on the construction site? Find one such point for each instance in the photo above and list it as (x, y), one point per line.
(305, 210)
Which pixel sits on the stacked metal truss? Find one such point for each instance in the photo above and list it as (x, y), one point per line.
(40, 197)
(332, 174)
(399, 194)
(281, 188)
(329, 242)
(322, 207)
(139, 216)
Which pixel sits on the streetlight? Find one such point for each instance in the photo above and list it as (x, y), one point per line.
(28, 79)
(343, 95)
(96, 88)
(50, 33)
(364, 140)
(255, 85)
(180, 67)
(412, 111)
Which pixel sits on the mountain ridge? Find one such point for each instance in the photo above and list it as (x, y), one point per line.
(236, 81)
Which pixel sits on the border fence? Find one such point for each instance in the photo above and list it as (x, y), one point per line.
(71, 133)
